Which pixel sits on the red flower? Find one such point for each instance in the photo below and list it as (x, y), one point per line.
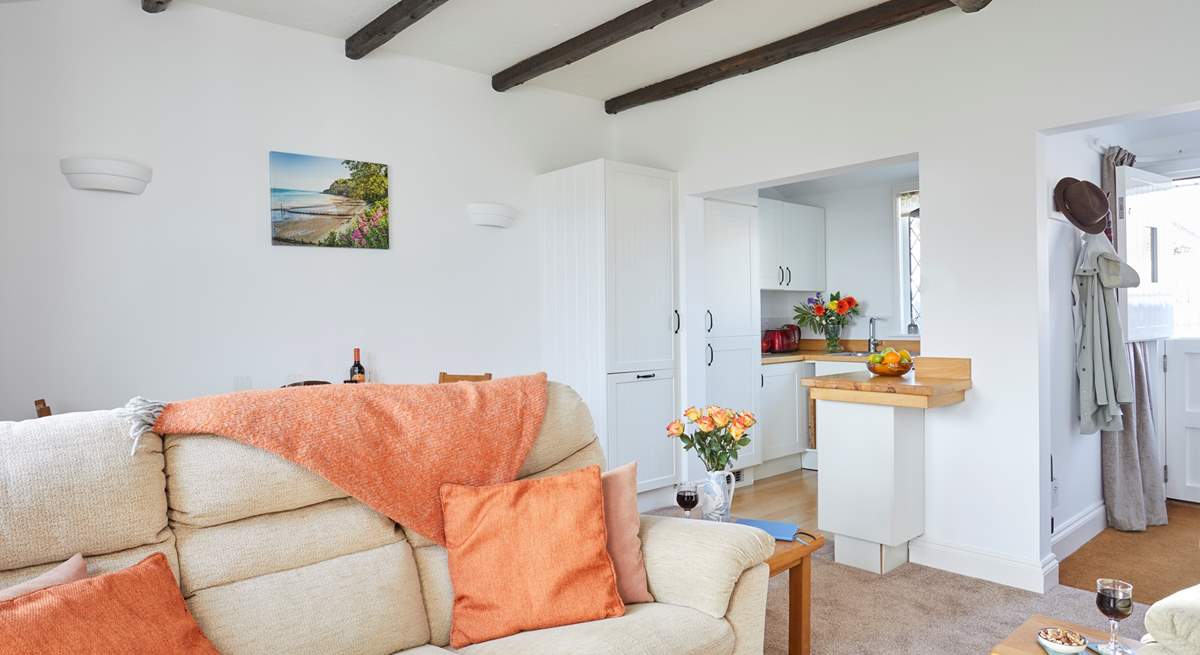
(843, 307)
(852, 301)
(819, 310)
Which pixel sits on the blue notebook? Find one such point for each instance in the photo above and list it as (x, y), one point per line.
(778, 529)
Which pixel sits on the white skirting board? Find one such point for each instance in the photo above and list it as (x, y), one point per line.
(778, 466)
(1033, 576)
(1078, 530)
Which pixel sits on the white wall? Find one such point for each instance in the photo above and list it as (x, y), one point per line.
(970, 94)
(860, 253)
(177, 292)
(1079, 510)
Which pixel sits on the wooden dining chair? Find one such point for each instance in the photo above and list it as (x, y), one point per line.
(41, 408)
(444, 377)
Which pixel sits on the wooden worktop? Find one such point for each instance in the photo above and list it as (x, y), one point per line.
(935, 382)
(813, 350)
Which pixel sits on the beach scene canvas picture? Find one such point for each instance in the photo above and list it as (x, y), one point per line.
(324, 201)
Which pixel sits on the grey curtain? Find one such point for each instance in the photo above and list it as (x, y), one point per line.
(1134, 494)
(1113, 157)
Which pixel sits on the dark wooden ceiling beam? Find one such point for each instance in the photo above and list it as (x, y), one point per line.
(387, 25)
(846, 28)
(635, 21)
(155, 6)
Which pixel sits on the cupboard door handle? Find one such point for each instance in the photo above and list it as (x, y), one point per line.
(647, 376)
(712, 356)
(789, 270)
(762, 380)
(780, 276)
(677, 321)
(711, 322)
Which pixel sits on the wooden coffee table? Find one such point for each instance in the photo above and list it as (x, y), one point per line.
(1023, 640)
(796, 558)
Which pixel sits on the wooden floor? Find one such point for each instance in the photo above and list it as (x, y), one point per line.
(788, 497)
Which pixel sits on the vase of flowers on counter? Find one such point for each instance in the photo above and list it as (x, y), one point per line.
(717, 436)
(828, 317)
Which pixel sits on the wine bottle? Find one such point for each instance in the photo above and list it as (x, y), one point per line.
(357, 372)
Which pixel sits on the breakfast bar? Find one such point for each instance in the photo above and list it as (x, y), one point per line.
(871, 491)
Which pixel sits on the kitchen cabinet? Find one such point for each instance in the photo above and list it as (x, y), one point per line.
(609, 289)
(640, 232)
(791, 246)
(638, 405)
(732, 381)
(730, 291)
(783, 421)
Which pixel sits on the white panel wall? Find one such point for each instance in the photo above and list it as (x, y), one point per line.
(952, 88)
(177, 292)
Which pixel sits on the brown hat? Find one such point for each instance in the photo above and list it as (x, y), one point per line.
(1083, 203)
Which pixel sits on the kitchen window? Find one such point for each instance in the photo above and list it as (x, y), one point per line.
(908, 216)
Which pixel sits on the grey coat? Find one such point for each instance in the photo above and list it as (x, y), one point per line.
(1101, 359)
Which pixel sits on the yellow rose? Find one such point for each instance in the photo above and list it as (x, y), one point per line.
(691, 414)
(721, 418)
(712, 410)
(736, 430)
(674, 428)
(831, 305)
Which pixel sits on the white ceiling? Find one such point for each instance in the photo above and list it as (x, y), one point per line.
(862, 176)
(487, 36)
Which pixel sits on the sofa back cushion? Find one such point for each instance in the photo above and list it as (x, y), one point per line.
(68, 484)
(274, 559)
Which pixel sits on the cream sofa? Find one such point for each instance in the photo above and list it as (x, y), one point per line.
(273, 559)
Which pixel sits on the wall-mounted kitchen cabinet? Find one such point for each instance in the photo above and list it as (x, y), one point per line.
(732, 381)
(791, 242)
(611, 323)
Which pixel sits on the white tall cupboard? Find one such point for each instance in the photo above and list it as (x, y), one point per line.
(732, 351)
(610, 319)
(791, 246)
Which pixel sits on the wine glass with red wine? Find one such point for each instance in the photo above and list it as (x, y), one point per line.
(687, 496)
(1114, 598)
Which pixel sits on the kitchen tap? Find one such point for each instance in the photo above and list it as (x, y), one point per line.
(872, 342)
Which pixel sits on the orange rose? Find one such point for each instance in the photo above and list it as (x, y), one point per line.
(843, 307)
(721, 417)
(853, 302)
(736, 430)
(674, 428)
(747, 419)
(706, 424)
(691, 414)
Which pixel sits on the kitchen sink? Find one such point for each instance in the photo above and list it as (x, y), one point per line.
(864, 355)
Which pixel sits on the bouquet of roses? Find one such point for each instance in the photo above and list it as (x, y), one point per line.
(718, 435)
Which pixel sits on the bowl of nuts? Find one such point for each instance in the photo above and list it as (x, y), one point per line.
(1061, 640)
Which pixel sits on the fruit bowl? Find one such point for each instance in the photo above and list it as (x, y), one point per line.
(892, 370)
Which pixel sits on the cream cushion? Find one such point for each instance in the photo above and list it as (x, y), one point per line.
(646, 629)
(216, 480)
(1174, 622)
(68, 485)
(357, 604)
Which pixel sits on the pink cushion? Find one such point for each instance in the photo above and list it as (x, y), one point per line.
(623, 522)
(69, 571)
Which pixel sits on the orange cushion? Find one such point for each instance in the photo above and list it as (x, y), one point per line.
(527, 555)
(624, 522)
(137, 610)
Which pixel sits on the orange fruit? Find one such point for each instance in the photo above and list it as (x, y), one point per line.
(891, 359)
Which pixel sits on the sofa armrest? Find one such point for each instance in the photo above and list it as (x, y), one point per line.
(697, 563)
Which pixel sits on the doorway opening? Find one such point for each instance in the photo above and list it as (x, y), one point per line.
(1155, 229)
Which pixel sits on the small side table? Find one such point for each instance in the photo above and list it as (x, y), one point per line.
(1023, 640)
(796, 558)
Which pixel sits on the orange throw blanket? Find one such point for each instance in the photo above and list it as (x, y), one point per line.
(390, 446)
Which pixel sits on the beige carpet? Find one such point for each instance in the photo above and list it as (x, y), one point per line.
(1158, 562)
(915, 609)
